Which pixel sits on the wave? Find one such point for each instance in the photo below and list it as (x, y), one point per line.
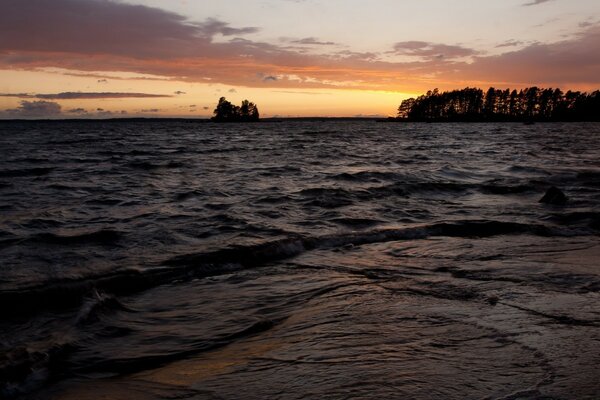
(25, 172)
(27, 367)
(95, 305)
(592, 219)
(356, 222)
(335, 197)
(366, 176)
(30, 365)
(320, 132)
(131, 365)
(72, 292)
(103, 236)
(148, 166)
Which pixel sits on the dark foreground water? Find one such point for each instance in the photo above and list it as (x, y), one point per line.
(299, 260)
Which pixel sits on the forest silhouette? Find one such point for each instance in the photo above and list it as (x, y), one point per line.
(497, 105)
(227, 112)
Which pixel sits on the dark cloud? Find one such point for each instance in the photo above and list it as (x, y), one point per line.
(91, 26)
(312, 41)
(65, 33)
(38, 109)
(73, 35)
(571, 62)
(587, 24)
(299, 92)
(77, 111)
(430, 51)
(18, 95)
(213, 26)
(179, 92)
(102, 81)
(104, 27)
(49, 109)
(356, 55)
(510, 43)
(232, 90)
(536, 2)
(83, 95)
(102, 113)
(206, 108)
(150, 110)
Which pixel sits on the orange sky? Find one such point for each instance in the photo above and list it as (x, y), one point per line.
(102, 58)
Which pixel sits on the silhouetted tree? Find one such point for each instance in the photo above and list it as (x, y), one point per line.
(227, 112)
(471, 104)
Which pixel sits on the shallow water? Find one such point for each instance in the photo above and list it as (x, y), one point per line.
(298, 260)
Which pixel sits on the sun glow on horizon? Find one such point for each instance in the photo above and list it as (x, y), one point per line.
(291, 58)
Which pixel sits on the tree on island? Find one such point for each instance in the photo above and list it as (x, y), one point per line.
(227, 112)
(530, 104)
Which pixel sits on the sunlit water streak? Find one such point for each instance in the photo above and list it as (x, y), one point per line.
(298, 260)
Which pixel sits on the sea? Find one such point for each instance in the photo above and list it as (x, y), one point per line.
(299, 259)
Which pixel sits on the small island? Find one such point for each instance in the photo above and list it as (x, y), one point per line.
(227, 112)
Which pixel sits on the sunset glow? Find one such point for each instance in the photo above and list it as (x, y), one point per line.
(293, 58)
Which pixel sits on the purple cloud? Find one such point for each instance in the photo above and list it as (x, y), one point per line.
(535, 3)
(81, 26)
(431, 51)
(83, 95)
(510, 43)
(39, 109)
(213, 26)
(570, 62)
(73, 35)
(313, 41)
(79, 111)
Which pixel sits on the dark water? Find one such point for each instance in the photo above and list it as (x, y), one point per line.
(299, 260)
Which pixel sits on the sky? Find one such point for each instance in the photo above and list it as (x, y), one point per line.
(176, 58)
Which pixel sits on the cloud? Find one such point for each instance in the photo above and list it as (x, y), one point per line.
(586, 24)
(232, 90)
(150, 42)
(102, 81)
(535, 3)
(102, 113)
(313, 41)
(76, 26)
(213, 26)
(299, 92)
(41, 108)
(150, 110)
(570, 62)
(83, 95)
(510, 43)
(49, 109)
(179, 92)
(77, 111)
(431, 51)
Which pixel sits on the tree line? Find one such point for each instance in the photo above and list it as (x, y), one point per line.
(530, 104)
(227, 112)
